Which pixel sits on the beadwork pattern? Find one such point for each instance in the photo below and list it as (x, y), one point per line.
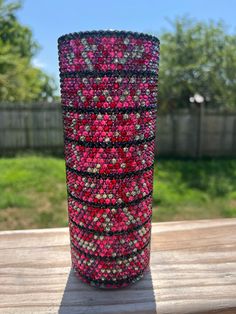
(109, 87)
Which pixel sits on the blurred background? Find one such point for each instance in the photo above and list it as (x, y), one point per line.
(195, 169)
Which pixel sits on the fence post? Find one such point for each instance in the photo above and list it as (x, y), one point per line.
(29, 128)
(199, 130)
(26, 129)
(174, 132)
(234, 138)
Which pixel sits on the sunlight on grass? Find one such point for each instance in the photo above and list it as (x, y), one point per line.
(188, 189)
(33, 191)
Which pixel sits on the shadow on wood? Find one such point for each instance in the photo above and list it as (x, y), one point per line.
(79, 297)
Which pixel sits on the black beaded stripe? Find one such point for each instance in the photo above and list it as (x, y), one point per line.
(122, 205)
(109, 110)
(102, 283)
(104, 206)
(108, 33)
(109, 144)
(110, 258)
(108, 73)
(109, 175)
(111, 233)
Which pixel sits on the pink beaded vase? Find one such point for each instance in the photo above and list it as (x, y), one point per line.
(109, 82)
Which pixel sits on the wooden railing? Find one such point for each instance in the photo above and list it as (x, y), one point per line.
(193, 270)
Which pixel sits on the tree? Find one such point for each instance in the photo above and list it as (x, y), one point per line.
(197, 58)
(19, 79)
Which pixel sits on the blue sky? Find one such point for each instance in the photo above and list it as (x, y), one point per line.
(50, 19)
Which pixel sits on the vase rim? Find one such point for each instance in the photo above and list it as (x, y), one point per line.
(108, 33)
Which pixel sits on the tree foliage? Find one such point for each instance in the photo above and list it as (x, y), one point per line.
(197, 58)
(19, 79)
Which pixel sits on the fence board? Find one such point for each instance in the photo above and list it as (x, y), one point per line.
(181, 133)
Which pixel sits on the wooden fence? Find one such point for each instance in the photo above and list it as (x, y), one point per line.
(185, 132)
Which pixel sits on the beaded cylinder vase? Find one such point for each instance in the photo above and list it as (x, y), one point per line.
(109, 82)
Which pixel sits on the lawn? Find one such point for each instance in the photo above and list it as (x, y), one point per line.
(33, 191)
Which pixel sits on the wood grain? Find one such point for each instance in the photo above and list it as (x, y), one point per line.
(193, 270)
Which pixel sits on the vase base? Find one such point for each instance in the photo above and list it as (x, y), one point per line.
(119, 284)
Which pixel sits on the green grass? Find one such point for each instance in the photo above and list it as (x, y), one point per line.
(188, 189)
(33, 191)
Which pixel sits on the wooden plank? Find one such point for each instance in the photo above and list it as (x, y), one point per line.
(193, 270)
